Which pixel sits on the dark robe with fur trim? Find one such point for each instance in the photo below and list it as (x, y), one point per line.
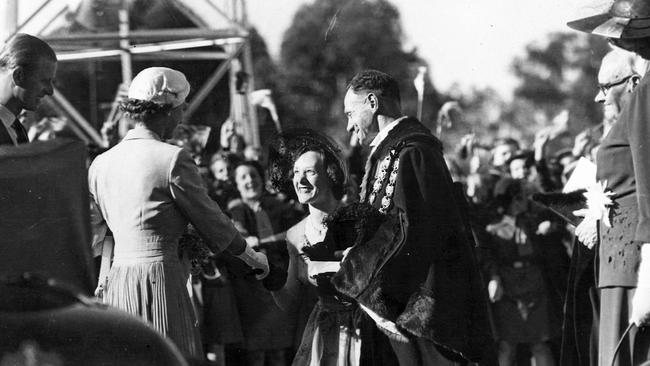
(419, 269)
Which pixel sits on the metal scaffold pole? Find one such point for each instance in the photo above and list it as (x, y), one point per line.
(9, 11)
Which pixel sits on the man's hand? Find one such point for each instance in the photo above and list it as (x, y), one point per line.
(252, 241)
(587, 231)
(544, 227)
(468, 141)
(641, 300)
(580, 143)
(504, 229)
(495, 289)
(541, 140)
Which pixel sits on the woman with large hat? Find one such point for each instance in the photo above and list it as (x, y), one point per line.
(311, 165)
(618, 216)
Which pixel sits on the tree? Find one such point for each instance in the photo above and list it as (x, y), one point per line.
(561, 73)
(331, 40)
(557, 73)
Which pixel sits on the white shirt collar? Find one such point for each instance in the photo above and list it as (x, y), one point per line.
(6, 116)
(383, 133)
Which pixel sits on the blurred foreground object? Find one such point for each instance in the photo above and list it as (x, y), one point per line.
(43, 322)
(46, 272)
(44, 212)
(418, 82)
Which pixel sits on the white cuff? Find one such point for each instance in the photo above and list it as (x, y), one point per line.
(644, 268)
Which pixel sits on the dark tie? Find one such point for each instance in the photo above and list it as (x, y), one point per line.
(21, 133)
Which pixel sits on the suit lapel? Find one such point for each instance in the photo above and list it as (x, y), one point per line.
(5, 139)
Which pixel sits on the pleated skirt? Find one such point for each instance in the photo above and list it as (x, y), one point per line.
(156, 291)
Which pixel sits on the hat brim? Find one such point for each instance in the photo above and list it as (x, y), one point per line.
(601, 24)
(609, 26)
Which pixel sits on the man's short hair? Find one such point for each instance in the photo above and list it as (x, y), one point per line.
(376, 82)
(25, 51)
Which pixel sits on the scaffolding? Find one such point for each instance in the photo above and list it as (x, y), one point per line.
(218, 23)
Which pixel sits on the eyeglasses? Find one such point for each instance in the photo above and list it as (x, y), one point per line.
(605, 87)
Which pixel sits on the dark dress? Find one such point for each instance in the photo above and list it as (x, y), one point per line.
(328, 337)
(523, 313)
(265, 326)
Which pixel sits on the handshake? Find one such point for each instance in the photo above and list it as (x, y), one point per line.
(255, 260)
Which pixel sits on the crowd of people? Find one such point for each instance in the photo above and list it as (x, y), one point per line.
(395, 254)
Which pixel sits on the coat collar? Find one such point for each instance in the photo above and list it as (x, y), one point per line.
(6, 116)
(141, 133)
(408, 129)
(381, 136)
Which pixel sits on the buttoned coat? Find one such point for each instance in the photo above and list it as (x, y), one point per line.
(145, 187)
(147, 191)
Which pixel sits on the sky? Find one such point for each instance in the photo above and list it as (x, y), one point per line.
(468, 42)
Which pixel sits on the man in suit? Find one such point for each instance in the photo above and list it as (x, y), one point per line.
(27, 69)
(416, 277)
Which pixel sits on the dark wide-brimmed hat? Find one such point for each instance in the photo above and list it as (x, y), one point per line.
(625, 19)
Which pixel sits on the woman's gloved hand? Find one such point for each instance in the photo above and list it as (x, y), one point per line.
(641, 300)
(587, 230)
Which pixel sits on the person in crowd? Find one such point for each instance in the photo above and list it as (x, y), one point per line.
(146, 192)
(416, 278)
(226, 131)
(221, 324)
(580, 326)
(503, 149)
(526, 279)
(319, 175)
(253, 153)
(621, 228)
(222, 188)
(469, 157)
(47, 128)
(27, 69)
(262, 219)
(237, 145)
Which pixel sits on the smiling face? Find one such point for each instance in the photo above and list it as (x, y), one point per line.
(32, 85)
(248, 182)
(501, 154)
(519, 169)
(359, 113)
(310, 179)
(219, 169)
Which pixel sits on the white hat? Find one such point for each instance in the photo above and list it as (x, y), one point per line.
(160, 85)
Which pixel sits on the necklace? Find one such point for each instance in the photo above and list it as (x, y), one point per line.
(315, 232)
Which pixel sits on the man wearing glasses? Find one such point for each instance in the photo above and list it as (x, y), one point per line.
(617, 78)
(623, 168)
